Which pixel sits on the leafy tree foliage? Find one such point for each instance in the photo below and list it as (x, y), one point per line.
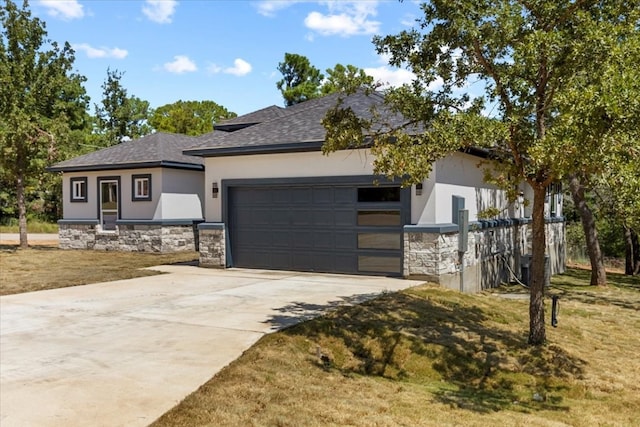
(600, 108)
(618, 192)
(300, 80)
(188, 117)
(120, 116)
(345, 79)
(537, 115)
(41, 100)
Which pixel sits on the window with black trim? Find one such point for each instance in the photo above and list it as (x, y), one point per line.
(141, 187)
(79, 189)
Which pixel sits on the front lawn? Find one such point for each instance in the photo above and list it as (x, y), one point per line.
(434, 357)
(47, 267)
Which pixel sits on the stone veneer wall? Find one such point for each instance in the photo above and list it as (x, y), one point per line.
(494, 253)
(77, 235)
(212, 245)
(130, 236)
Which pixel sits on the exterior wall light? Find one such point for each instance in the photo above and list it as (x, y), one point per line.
(419, 189)
(215, 190)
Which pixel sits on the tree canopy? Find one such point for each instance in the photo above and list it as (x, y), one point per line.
(300, 80)
(120, 116)
(188, 117)
(345, 79)
(41, 100)
(534, 60)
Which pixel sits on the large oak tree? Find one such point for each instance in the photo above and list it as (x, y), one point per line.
(532, 58)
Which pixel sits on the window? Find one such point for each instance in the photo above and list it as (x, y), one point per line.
(379, 241)
(379, 217)
(79, 189)
(379, 264)
(379, 194)
(141, 187)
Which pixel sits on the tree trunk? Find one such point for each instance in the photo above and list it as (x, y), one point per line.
(22, 211)
(537, 333)
(636, 252)
(632, 249)
(598, 273)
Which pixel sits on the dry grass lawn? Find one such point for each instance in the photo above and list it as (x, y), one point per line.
(433, 357)
(426, 356)
(47, 267)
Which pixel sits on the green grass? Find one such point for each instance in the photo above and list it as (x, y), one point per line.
(33, 226)
(434, 357)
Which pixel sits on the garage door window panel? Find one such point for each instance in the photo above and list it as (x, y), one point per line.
(379, 264)
(388, 218)
(378, 194)
(379, 241)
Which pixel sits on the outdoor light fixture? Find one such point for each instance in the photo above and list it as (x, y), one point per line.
(215, 190)
(419, 189)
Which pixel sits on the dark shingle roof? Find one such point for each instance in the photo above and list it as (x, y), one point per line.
(156, 150)
(298, 129)
(259, 116)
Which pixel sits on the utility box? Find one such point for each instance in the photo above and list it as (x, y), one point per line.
(463, 227)
(525, 270)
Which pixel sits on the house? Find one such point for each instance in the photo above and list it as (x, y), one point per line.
(140, 195)
(272, 200)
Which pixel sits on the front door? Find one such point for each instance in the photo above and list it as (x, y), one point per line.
(108, 204)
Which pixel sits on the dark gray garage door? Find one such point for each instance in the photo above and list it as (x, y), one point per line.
(324, 228)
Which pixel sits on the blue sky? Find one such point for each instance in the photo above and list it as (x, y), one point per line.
(225, 51)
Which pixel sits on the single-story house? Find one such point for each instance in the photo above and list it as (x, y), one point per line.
(272, 200)
(140, 195)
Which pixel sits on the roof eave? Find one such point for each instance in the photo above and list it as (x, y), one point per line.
(295, 147)
(133, 165)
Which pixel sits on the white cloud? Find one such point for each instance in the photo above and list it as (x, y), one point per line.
(102, 52)
(388, 76)
(160, 11)
(345, 18)
(64, 9)
(270, 7)
(181, 64)
(240, 68)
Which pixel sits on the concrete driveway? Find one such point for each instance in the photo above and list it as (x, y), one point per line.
(122, 353)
